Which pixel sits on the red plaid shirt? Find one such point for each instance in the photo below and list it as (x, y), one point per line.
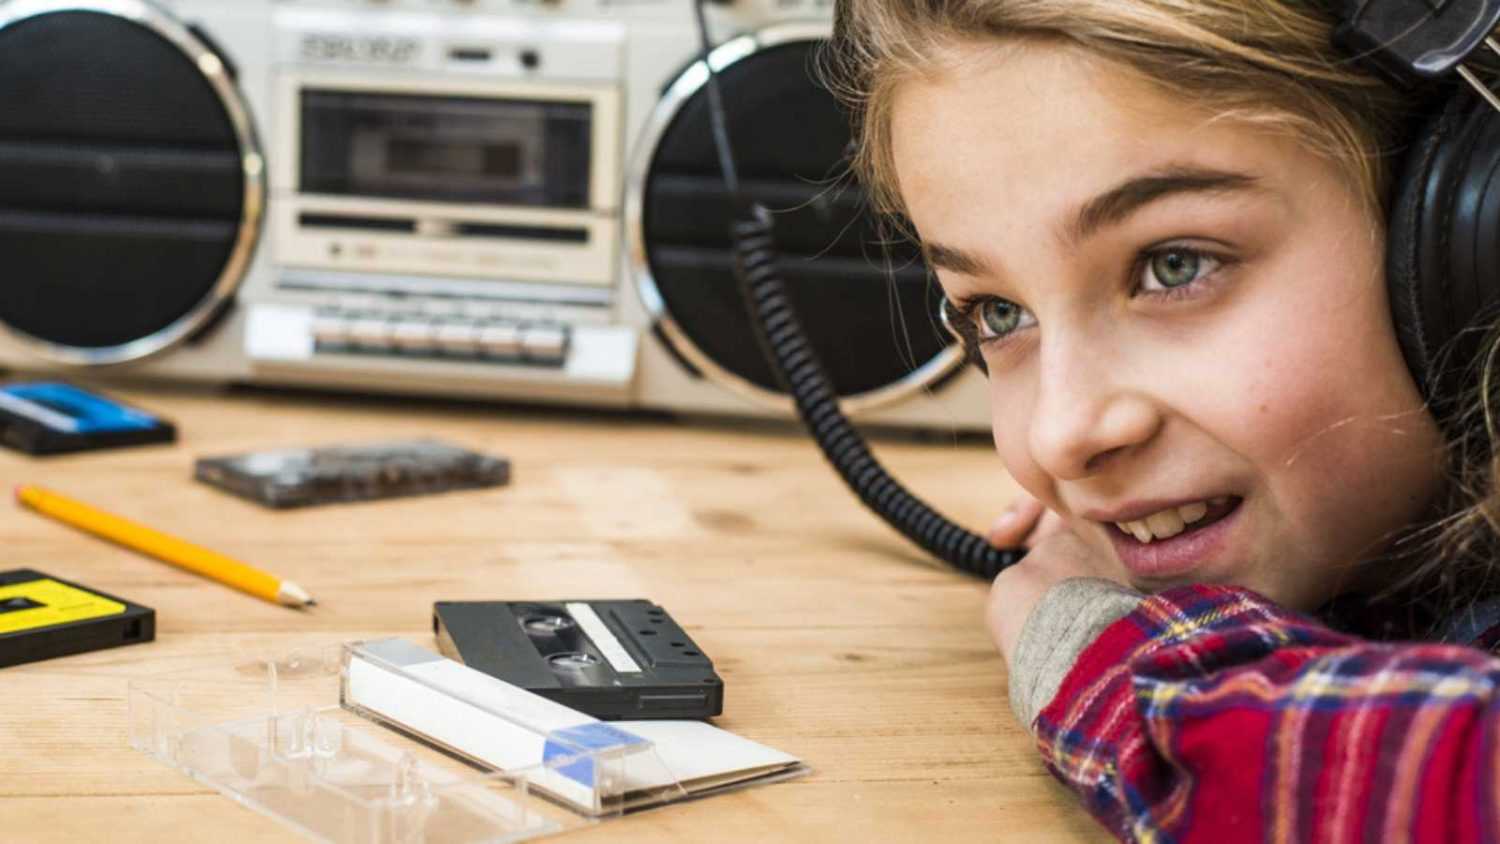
(1211, 714)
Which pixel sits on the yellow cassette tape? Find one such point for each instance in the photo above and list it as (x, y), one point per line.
(42, 617)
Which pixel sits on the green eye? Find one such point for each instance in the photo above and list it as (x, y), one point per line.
(1176, 267)
(997, 317)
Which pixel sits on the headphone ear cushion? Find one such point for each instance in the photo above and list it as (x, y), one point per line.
(1403, 239)
(1443, 248)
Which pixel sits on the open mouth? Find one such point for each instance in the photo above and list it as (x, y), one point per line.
(1174, 522)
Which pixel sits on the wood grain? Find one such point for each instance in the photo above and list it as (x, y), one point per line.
(837, 641)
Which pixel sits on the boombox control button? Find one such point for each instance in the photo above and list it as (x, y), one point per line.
(370, 333)
(413, 336)
(547, 344)
(458, 338)
(500, 340)
(330, 330)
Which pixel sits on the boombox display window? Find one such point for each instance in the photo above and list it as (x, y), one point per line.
(446, 149)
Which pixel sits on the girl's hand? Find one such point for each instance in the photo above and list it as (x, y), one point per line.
(1023, 524)
(1016, 591)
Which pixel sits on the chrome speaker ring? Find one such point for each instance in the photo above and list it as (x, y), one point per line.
(687, 84)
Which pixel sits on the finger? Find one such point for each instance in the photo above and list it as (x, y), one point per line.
(1012, 526)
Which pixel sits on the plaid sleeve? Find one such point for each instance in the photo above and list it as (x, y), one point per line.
(1211, 714)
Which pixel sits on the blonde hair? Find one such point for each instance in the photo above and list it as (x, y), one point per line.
(1463, 547)
(1265, 62)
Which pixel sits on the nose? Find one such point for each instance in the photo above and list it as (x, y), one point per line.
(1089, 409)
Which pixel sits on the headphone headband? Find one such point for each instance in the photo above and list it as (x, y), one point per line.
(1424, 39)
(1419, 40)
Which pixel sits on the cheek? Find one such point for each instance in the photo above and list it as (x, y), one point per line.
(1293, 393)
(1328, 417)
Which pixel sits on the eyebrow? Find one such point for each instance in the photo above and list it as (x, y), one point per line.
(1110, 208)
(1116, 204)
(954, 260)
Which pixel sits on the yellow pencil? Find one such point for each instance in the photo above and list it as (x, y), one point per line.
(170, 549)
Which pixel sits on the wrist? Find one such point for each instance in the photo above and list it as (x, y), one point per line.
(1013, 597)
(1064, 621)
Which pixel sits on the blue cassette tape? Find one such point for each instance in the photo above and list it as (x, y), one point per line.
(49, 417)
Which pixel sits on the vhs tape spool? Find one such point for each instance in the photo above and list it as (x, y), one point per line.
(609, 659)
(42, 617)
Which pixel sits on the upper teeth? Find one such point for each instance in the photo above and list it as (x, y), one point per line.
(1165, 524)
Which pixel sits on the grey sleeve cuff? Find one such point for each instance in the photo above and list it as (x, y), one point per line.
(1069, 617)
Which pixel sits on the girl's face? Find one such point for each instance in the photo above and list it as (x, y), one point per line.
(1191, 356)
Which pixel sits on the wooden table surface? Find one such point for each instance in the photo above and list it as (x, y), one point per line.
(837, 641)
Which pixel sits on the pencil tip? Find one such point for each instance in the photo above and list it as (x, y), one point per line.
(310, 604)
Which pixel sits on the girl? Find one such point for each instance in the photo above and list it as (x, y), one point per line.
(1160, 224)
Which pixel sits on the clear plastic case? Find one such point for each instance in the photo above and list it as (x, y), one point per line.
(290, 738)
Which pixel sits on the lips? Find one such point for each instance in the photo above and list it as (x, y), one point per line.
(1181, 552)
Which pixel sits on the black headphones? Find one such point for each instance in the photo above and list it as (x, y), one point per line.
(1443, 250)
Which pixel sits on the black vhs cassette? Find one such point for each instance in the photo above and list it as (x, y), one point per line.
(609, 659)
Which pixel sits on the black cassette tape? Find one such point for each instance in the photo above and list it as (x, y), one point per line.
(301, 477)
(608, 659)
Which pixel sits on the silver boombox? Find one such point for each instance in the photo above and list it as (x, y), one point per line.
(509, 199)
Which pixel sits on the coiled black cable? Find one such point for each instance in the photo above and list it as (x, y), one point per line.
(802, 374)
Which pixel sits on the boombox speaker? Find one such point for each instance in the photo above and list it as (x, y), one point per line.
(867, 304)
(131, 182)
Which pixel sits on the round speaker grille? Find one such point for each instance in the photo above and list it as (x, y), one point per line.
(130, 181)
(868, 309)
